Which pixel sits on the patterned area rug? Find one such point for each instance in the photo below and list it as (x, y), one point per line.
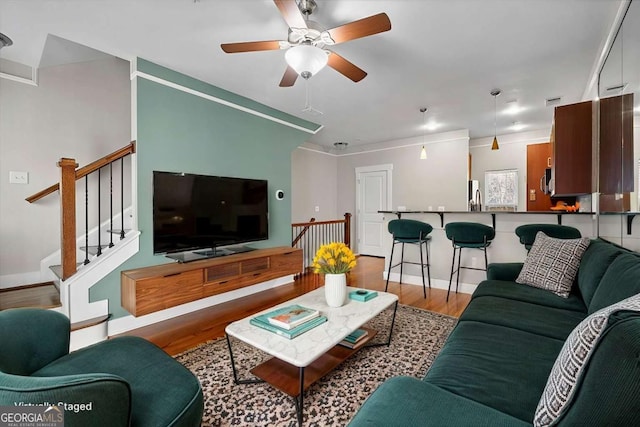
(417, 338)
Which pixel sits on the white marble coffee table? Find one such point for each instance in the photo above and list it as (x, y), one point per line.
(297, 363)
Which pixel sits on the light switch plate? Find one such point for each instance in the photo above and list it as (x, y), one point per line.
(18, 177)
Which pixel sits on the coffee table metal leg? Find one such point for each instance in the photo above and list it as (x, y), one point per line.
(235, 372)
(300, 398)
(393, 321)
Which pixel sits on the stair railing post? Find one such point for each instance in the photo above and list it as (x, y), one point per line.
(99, 213)
(68, 216)
(347, 229)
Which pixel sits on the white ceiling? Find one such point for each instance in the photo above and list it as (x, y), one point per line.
(446, 55)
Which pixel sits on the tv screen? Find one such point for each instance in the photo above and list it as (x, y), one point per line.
(199, 211)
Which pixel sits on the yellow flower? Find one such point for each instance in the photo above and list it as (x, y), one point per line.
(334, 257)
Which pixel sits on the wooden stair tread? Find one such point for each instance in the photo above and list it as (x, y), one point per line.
(40, 295)
(89, 322)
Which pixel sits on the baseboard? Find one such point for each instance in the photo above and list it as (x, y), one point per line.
(20, 279)
(127, 323)
(465, 288)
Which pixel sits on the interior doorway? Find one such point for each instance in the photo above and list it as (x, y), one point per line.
(373, 194)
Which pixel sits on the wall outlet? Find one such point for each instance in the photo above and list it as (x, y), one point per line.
(18, 177)
(317, 209)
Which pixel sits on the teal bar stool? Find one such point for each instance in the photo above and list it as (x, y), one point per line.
(415, 233)
(527, 233)
(467, 235)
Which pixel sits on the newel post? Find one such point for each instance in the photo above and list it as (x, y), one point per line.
(347, 229)
(68, 216)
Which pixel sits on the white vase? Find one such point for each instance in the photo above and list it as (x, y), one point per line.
(335, 289)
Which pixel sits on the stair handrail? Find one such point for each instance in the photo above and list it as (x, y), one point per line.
(69, 175)
(312, 222)
(86, 170)
(306, 226)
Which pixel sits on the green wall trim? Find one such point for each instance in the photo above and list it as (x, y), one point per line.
(160, 74)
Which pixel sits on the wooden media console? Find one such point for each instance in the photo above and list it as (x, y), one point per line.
(150, 289)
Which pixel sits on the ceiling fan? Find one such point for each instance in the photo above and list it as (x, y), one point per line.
(307, 40)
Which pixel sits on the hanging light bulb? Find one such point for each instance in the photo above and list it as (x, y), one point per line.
(494, 145)
(423, 152)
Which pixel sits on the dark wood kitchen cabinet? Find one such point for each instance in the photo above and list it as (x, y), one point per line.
(616, 144)
(572, 150)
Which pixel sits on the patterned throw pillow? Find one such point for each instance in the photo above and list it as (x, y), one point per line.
(569, 366)
(552, 264)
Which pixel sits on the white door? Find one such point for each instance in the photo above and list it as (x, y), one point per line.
(373, 193)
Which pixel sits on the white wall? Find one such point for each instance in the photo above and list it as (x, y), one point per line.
(440, 180)
(80, 111)
(314, 182)
(322, 179)
(511, 155)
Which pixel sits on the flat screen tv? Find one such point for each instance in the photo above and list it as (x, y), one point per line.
(193, 212)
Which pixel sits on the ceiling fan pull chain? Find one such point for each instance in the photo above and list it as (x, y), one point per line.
(307, 105)
(307, 101)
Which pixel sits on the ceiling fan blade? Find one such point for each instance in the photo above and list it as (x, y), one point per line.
(291, 13)
(345, 67)
(361, 28)
(289, 77)
(250, 46)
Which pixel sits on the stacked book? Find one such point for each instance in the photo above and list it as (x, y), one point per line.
(289, 321)
(355, 339)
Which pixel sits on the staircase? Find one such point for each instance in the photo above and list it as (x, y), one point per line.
(108, 240)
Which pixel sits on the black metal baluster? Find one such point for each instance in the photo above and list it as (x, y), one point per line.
(111, 204)
(122, 197)
(99, 214)
(86, 220)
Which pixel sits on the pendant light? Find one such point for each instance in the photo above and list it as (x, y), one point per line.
(495, 94)
(423, 152)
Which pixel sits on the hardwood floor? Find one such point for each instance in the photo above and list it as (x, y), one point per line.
(184, 332)
(41, 295)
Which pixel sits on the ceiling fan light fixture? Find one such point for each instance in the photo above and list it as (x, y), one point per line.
(306, 59)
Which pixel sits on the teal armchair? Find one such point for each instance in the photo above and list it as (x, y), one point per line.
(125, 381)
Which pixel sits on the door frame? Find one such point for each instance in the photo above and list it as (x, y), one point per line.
(388, 168)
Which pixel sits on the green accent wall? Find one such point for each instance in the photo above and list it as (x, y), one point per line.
(182, 132)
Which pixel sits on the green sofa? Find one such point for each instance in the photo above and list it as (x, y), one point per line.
(495, 364)
(125, 381)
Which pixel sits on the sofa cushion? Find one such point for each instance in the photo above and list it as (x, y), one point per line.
(534, 318)
(492, 364)
(620, 281)
(406, 401)
(552, 264)
(514, 291)
(163, 391)
(594, 263)
(31, 338)
(504, 270)
(609, 388)
(572, 362)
